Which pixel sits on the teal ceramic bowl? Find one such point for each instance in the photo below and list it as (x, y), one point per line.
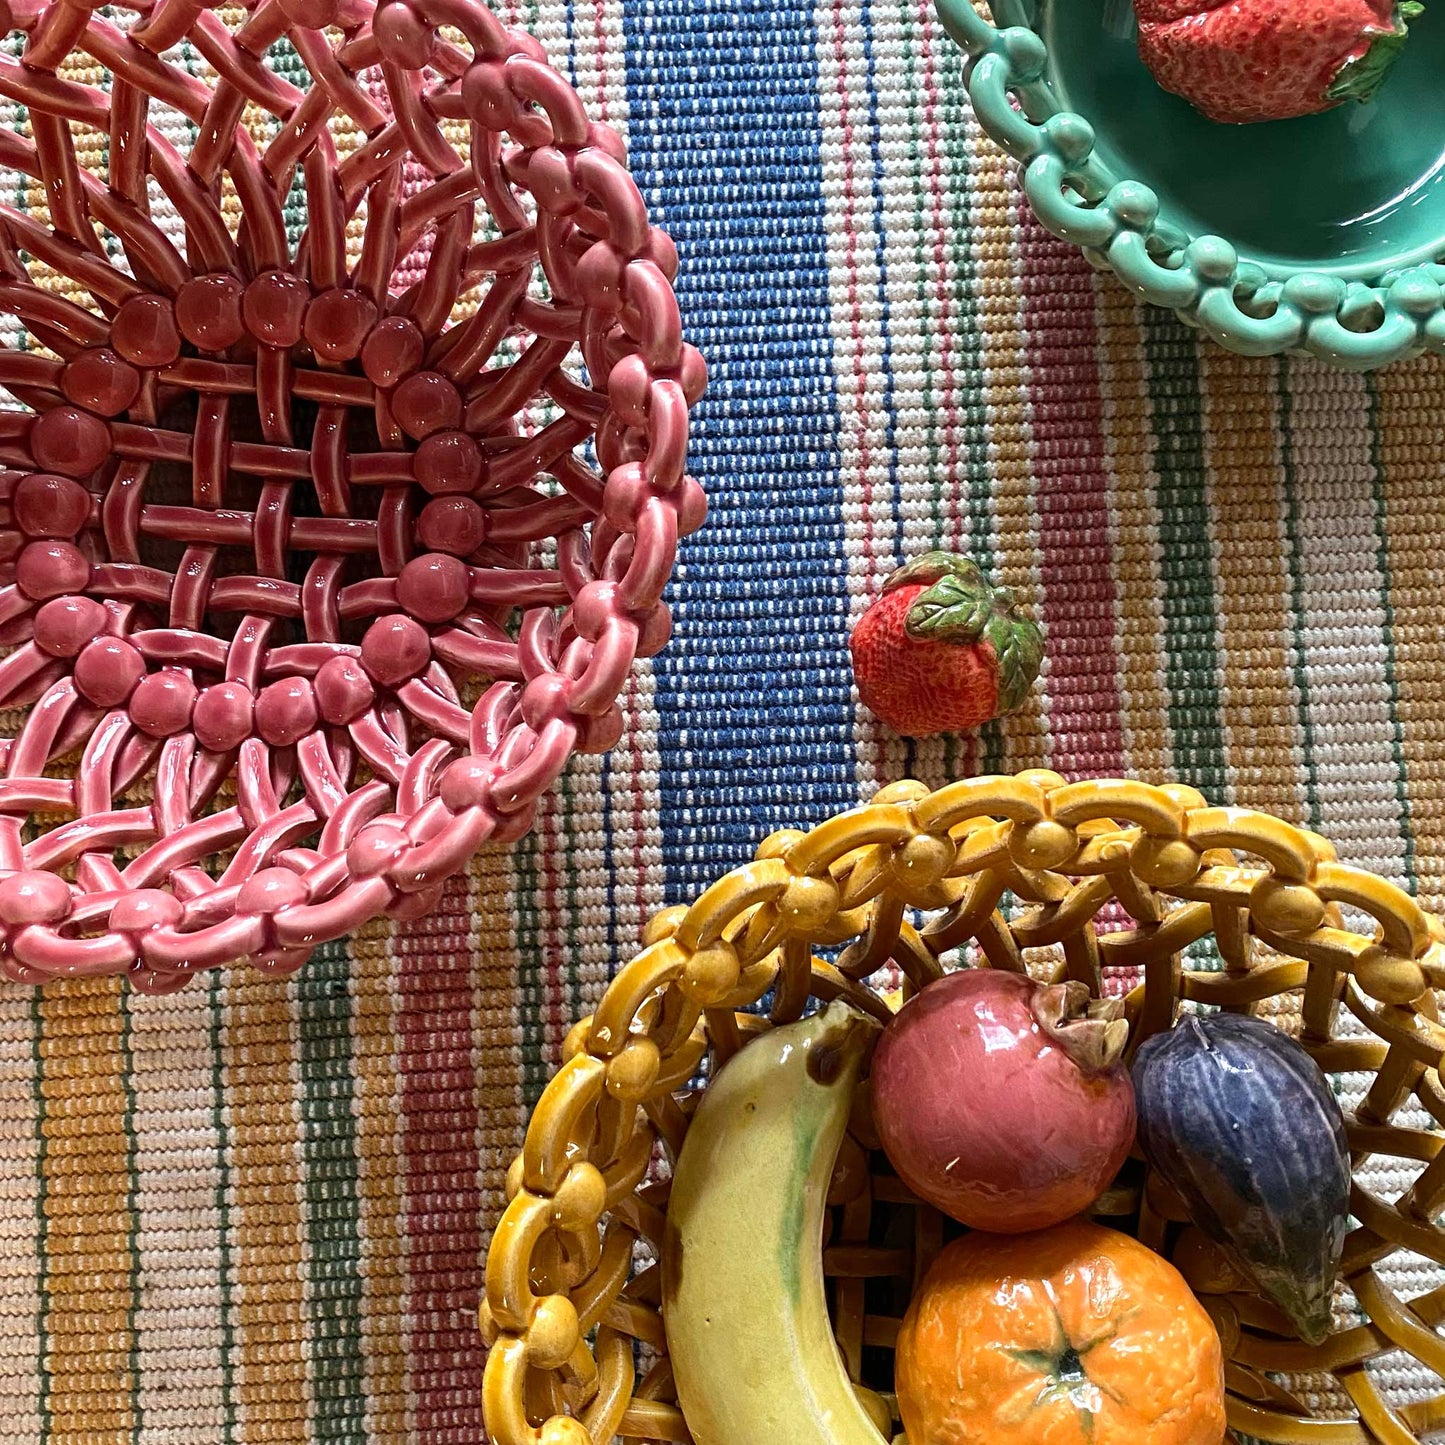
(1323, 235)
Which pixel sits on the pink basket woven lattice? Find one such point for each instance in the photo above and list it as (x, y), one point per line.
(326, 542)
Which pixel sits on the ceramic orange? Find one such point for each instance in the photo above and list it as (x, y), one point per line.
(1075, 1335)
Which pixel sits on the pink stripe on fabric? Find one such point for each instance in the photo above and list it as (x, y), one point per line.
(553, 919)
(443, 1200)
(642, 841)
(414, 178)
(604, 68)
(1071, 491)
(857, 480)
(869, 739)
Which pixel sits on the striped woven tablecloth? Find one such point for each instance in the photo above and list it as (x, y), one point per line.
(257, 1211)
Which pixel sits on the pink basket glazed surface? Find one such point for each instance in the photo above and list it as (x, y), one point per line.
(313, 576)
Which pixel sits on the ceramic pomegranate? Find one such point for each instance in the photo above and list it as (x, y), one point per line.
(1003, 1102)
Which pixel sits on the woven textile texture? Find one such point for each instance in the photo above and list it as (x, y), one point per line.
(256, 1211)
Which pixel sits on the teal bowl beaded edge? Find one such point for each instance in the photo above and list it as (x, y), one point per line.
(1349, 323)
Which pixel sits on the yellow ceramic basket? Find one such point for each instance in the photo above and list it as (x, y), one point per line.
(567, 1304)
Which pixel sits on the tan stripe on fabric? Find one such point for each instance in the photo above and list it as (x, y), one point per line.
(1000, 307)
(82, 70)
(45, 277)
(262, 1077)
(496, 1032)
(1259, 704)
(582, 846)
(88, 1359)
(549, 904)
(1411, 420)
(179, 1323)
(382, 1183)
(1134, 528)
(632, 786)
(19, 1276)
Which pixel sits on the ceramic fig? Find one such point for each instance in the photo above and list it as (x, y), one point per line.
(1238, 1118)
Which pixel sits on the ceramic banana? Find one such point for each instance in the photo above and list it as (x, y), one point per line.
(752, 1350)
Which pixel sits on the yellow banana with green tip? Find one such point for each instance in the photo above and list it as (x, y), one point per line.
(752, 1349)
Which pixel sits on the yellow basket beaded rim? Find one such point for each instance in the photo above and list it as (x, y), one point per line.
(583, 1197)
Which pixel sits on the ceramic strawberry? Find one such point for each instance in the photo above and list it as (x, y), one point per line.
(1251, 60)
(942, 649)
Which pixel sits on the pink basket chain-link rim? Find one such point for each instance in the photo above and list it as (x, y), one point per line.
(316, 868)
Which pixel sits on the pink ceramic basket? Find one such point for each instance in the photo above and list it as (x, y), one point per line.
(313, 581)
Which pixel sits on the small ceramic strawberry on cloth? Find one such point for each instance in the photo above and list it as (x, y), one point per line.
(1253, 60)
(943, 649)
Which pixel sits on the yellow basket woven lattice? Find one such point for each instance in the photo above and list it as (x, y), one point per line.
(567, 1302)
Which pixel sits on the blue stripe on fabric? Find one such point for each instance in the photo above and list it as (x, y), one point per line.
(753, 691)
(571, 23)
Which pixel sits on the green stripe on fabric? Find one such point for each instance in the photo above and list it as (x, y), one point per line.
(42, 1223)
(332, 1185)
(216, 1006)
(1192, 655)
(1387, 593)
(1297, 604)
(108, 239)
(284, 60)
(132, 1212)
(192, 65)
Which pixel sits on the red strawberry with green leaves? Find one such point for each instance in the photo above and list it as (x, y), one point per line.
(1249, 60)
(942, 649)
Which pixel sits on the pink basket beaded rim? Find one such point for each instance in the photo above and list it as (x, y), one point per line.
(242, 651)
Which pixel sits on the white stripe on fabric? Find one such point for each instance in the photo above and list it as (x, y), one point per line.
(855, 323)
(1342, 619)
(19, 1184)
(179, 1320)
